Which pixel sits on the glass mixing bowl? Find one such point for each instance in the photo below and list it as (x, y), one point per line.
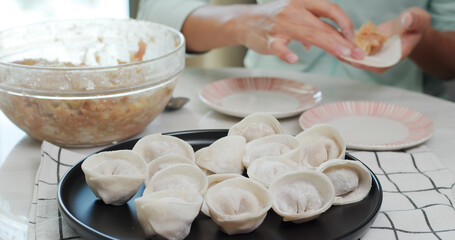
(81, 83)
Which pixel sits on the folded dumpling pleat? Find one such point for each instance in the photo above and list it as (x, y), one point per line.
(320, 143)
(168, 214)
(163, 162)
(272, 146)
(114, 177)
(265, 170)
(182, 177)
(255, 126)
(212, 181)
(156, 145)
(238, 205)
(223, 156)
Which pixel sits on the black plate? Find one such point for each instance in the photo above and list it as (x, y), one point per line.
(92, 219)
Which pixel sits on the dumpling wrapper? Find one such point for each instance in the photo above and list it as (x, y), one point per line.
(115, 176)
(156, 145)
(223, 156)
(164, 162)
(255, 126)
(272, 146)
(266, 170)
(168, 213)
(320, 143)
(351, 179)
(238, 205)
(212, 181)
(389, 55)
(182, 177)
(302, 196)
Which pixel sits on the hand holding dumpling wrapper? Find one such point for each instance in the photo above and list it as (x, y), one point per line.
(381, 51)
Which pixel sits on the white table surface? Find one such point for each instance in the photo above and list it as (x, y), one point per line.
(20, 155)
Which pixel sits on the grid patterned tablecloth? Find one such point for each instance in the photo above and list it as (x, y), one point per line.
(418, 198)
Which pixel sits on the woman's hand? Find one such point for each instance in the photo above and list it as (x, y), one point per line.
(268, 28)
(411, 25)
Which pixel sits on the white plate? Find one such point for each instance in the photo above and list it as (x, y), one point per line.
(372, 125)
(242, 96)
(389, 55)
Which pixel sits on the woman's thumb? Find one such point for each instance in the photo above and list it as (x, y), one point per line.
(415, 19)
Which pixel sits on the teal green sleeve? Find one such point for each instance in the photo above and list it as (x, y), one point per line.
(442, 14)
(169, 12)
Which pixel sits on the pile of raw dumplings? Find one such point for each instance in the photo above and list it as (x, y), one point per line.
(299, 177)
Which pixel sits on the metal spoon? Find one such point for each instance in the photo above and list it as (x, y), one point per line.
(175, 103)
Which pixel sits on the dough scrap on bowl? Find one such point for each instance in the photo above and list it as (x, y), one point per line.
(351, 179)
(320, 143)
(180, 176)
(168, 213)
(255, 126)
(272, 146)
(265, 170)
(238, 205)
(164, 162)
(302, 196)
(212, 181)
(223, 156)
(156, 145)
(115, 176)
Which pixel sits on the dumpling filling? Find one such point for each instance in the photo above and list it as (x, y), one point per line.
(344, 180)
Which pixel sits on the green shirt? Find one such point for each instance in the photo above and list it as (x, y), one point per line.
(405, 74)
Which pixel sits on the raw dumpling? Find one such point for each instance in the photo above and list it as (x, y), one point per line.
(223, 156)
(114, 177)
(255, 126)
(168, 213)
(183, 177)
(302, 196)
(164, 162)
(156, 145)
(351, 179)
(272, 146)
(213, 180)
(319, 144)
(266, 170)
(238, 205)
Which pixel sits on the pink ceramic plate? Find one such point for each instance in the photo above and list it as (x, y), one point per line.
(372, 125)
(242, 96)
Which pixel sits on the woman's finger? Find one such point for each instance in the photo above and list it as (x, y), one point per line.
(333, 43)
(278, 47)
(322, 8)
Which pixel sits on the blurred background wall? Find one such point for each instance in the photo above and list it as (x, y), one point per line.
(21, 12)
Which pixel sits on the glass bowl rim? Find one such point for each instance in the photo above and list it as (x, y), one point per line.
(91, 68)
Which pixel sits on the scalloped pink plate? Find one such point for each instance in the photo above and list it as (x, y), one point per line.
(372, 125)
(242, 96)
